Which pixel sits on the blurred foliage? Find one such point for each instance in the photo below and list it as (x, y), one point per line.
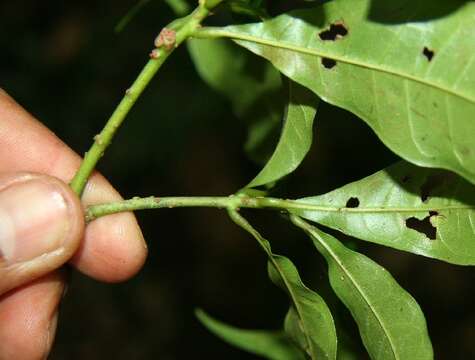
(64, 63)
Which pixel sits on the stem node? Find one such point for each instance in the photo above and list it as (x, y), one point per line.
(98, 139)
(154, 54)
(166, 38)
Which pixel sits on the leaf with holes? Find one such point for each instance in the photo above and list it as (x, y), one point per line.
(253, 87)
(413, 83)
(295, 139)
(424, 211)
(308, 322)
(391, 323)
(274, 345)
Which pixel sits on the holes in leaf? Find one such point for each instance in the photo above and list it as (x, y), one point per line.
(352, 202)
(328, 63)
(334, 32)
(428, 53)
(423, 226)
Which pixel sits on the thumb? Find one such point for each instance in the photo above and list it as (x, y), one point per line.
(41, 224)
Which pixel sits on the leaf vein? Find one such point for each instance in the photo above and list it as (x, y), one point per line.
(211, 32)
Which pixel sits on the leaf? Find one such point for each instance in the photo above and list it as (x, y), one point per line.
(413, 83)
(424, 211)
(252, 85)
(179, 7)
(295, 139)
(269, 344)
(253, 8)
(391, 323)
(309, 321)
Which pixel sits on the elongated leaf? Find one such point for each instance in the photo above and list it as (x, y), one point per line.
(309, 321)
(390, 321)
(295, 139)
(424, 211)
(413, 83)
(273, 345)
(253, 87)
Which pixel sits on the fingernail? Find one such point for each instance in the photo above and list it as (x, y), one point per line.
(33, 220)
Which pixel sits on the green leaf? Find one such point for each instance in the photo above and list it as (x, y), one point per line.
(309, 321)
(391, 323)
(295, 139)
(253, 87)
(413, 83)
(424, 211)
(253, 8)
(273, 345)
(180, 7)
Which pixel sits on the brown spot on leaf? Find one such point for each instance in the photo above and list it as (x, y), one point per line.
(328, 63)
(336, 31)
(423, 226)
(428, 53)
(353, 202)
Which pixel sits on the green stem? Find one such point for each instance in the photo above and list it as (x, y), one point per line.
(182, 29)
(239, 201)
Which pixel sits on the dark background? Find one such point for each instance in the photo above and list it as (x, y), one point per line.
(63, 62)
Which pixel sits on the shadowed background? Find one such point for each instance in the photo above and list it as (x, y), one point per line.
(64, 63)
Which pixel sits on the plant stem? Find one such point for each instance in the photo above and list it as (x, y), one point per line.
(239, 201)
(181, 29)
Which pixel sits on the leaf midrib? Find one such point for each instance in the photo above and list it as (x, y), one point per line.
(217, 32)
(272, 258)
(310, 207)
(357, 287)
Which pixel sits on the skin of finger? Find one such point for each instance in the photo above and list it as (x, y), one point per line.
(113, 248)
(19, 273)
(28, 316)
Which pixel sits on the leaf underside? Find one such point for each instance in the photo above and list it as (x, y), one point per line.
(295, 139)
(424, 211)
(391, 323)
(413, 82)
(308, 322)
(273, 345)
